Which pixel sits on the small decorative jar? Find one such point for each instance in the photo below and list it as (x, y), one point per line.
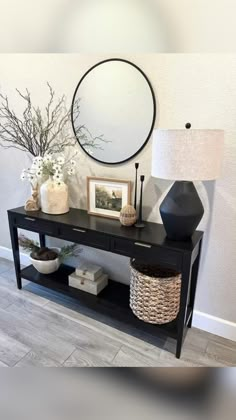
(54, 197)
(128, 216)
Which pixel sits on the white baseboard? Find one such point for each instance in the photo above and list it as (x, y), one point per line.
(214, 325)
(201, 320)
(8, 255)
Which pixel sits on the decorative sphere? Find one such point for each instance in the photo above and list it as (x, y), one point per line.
(128, 216)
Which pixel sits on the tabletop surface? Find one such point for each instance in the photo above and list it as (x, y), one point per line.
(152, 233)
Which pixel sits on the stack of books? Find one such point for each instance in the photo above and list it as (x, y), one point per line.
(89, 278)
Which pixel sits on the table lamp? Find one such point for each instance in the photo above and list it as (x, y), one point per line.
(185, 156)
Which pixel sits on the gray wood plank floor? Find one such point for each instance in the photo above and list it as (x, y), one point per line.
(39, 327)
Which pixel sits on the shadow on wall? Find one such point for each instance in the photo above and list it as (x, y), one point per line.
(209, 188)
(156, 190)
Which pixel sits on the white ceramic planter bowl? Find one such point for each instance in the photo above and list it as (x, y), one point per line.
(47, 267)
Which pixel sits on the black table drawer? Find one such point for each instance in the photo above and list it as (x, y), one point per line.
(123, 247)
(85, 237)
(148, 253)
(36, 225)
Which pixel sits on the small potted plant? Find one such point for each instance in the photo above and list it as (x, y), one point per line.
(47, 260)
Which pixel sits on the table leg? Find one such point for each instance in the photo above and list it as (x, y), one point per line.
(42, 240)
(16, 253)
(194, 277)
(186, 281)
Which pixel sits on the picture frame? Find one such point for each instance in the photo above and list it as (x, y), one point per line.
(107, 196)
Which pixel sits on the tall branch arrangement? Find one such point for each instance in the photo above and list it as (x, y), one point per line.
(40, 132)
(35, 131)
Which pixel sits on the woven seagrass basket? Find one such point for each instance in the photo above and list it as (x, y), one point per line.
(154, 293)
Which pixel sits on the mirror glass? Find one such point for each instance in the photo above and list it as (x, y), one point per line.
(113, 111)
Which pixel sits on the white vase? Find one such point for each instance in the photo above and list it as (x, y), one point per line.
(54, 197)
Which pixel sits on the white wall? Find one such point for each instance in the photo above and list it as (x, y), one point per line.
(196, 88)
(121, 26)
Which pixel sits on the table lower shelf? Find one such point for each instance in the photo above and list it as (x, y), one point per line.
(111, 306)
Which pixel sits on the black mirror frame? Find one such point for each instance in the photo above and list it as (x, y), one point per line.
(154, 109)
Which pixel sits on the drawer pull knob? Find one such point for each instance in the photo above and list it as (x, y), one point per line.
(29, 219)
(143, 245)
(79, 230)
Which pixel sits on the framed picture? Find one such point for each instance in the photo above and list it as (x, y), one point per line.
(106, 196)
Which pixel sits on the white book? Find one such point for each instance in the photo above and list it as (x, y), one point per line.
(89, 271)
(89, 286)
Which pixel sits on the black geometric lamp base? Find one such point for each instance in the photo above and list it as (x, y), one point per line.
(181, 211)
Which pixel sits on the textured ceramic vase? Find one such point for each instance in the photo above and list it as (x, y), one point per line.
(128, 216)
(54, 197)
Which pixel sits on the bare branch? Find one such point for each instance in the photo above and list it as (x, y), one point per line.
(35, 131)
(39, 131)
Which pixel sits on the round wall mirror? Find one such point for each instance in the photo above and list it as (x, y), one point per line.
(113, 111)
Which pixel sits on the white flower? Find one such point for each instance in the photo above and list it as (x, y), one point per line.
(23, 176)
(71, 171)
(61, 160)
(47, 158)
(73, 162)
(57, 167)
(39, 173)
(58, 177)
(31, 177)
(38, 159)
(38, 164)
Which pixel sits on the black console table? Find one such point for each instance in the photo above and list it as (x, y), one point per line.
(149, 245)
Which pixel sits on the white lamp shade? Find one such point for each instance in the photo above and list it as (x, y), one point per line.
(187, 155)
